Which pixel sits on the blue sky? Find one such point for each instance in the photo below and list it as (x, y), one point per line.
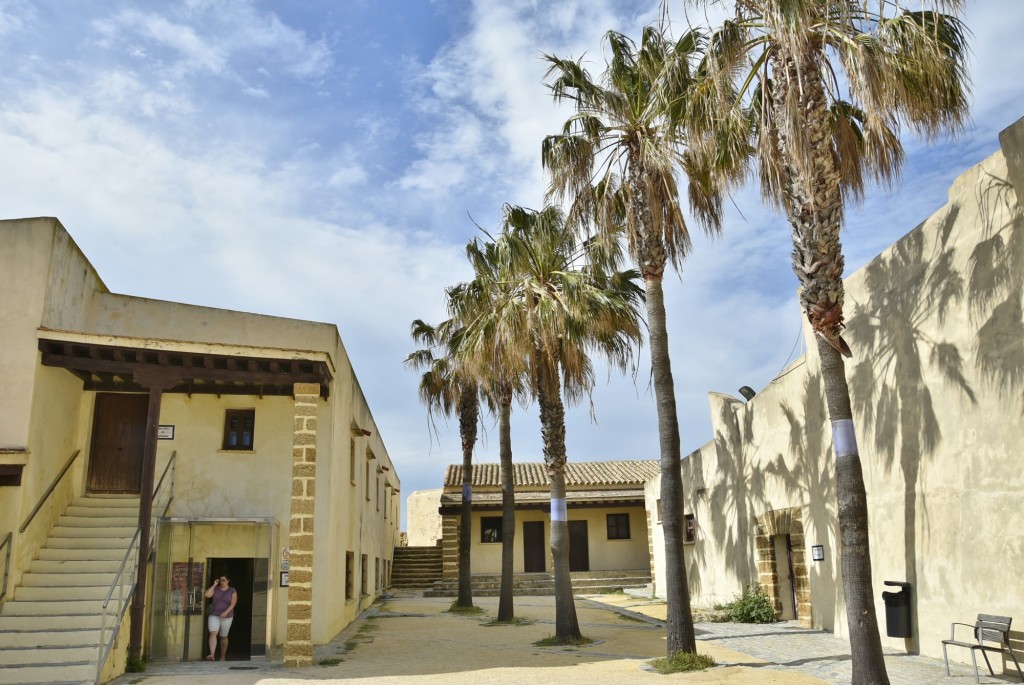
(232, 154)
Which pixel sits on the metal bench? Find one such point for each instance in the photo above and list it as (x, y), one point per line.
(987, 630)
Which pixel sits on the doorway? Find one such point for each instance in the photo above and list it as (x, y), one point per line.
(118, 443)
(579, 547)
(240, 571)
(784, 572)
(533, 547)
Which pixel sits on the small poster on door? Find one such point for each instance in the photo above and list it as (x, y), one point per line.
(187, 597)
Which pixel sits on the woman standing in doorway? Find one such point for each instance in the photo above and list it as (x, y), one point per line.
(222, 610)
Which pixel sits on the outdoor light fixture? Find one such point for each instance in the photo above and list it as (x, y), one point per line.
(818, 552)
(747, 392)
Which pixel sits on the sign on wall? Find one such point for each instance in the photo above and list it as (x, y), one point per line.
(187, 597)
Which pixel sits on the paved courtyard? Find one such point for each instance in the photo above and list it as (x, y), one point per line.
(411, 639)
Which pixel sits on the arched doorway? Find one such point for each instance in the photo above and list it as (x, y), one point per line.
(782, 563)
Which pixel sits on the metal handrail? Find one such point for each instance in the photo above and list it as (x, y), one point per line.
(119, 584)
(7, 564)
(49, 490)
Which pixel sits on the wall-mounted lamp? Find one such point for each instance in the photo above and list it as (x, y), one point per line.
(747, 392)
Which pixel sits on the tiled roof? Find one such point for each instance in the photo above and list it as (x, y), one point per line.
(543, 496)
(577, 474)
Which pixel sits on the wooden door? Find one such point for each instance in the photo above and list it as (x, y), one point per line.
(118, 443)
(533, 547)
(579, 546)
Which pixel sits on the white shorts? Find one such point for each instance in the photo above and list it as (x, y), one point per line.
(219, 625)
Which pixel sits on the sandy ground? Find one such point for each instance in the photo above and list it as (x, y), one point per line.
(415, 639)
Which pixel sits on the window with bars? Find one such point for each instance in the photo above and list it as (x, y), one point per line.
(691, 528)
(618, 526)
(490, 529)
(352, 460)
(350, 584)
(239, 428)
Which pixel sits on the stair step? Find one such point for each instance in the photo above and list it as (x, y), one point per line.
(67, 579)
(106, 522)
(13, 623)
(51, 674)
(118, 501)
(83, 554)
(54, 607)
(111, 542)
(49, 627)
(47, 655)
(75, 566)
(44, 593)
(51, 638)
(94, 532)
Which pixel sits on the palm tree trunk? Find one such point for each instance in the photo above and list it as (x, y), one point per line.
(679, 621)
(469, 410)
(506, 612)
(814, 208)
(855, 554)
(552, 427)
(651, 258)
(567, 627)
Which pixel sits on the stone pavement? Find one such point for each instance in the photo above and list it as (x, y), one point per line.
(787, 645)
(406, 638)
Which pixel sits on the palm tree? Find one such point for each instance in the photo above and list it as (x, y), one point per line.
(557, 303)
(831, 83)
(501, 372)
(446, 387)
(617, 160)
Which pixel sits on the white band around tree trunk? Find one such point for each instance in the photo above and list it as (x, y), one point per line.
(558, 510)
(844, 438)
(467, 493)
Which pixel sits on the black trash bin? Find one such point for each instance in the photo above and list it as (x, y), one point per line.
(897, 610)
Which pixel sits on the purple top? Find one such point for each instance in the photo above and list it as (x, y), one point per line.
(221, 602)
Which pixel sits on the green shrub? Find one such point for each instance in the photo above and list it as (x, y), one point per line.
(753, 606)
(135, 664)
(553, 641)
(465, 611)
(682, 662)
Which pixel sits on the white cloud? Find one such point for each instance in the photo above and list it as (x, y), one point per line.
(256, 93)
(347, 176)
(14, 14)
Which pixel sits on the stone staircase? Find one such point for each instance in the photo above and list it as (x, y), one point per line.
(416, 567)
(50, 626)
(534, 584)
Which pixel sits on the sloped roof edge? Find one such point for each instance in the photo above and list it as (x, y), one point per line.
(577, 474)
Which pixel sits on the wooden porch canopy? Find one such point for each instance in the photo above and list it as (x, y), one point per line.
(132, 369)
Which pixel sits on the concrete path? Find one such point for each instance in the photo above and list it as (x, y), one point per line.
(788, 646)
(410, 639)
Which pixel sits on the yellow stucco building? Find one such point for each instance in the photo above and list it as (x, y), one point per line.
(937, 384)
(251, 432)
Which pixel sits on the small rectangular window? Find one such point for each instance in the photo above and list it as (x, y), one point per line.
(659, 510)
(350, 582)
(376, 574)
(363, 576)
(367, 481)
(239, 425)
(352, 460)
(618, 526)
(691, 529)
(490, 529)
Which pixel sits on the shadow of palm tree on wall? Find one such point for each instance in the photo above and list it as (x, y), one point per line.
(995, 287)
(807, 476)
(739, 488)
(908, 290)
